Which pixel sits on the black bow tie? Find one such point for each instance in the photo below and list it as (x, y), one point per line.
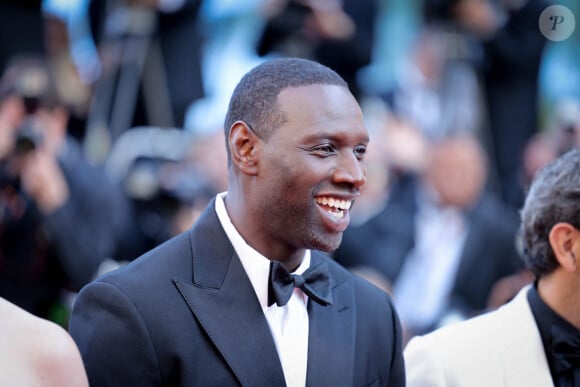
(314, 282)
(565, 349)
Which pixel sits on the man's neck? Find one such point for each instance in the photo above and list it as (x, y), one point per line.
(238, 213)
(561, 292)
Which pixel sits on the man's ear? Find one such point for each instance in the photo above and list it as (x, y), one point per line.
(244, 148)
(565, 241)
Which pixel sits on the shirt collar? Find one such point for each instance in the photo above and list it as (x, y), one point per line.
(546, 318)
(256, 265)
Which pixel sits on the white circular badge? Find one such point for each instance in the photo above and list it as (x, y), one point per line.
(557, 23)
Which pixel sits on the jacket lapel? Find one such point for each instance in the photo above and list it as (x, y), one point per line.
(331, 336)
(522, 354)
(223, 300)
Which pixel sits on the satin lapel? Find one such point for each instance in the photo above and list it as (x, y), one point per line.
(331, 343)
(223, 300)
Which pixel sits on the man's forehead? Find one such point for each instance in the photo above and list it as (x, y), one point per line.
(312, 89)
(317, 100)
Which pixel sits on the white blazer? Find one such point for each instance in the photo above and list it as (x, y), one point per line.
(502, 348)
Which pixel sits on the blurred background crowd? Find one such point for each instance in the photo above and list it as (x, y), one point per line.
(111, 134)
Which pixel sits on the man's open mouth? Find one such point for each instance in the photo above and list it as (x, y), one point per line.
(334, 206)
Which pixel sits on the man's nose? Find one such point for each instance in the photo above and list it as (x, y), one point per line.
(350, 170)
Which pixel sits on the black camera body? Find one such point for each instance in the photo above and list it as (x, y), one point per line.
(27, 138)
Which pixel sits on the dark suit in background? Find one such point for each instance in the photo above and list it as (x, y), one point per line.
(488, 254)
(510, 75)
(22, 29)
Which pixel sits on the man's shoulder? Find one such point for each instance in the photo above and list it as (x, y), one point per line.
(465, 333)
(487, 330)
(475, 352)
(172, 256)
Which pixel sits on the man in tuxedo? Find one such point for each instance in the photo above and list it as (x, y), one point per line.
(200, 310)
(534, 340)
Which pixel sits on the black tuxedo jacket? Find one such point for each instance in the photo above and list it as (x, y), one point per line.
(186, 314)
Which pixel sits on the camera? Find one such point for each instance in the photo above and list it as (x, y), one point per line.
(27, 138)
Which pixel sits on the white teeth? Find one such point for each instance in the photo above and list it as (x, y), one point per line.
(335, 203)
(338, 214)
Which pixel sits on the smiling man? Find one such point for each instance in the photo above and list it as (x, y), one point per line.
(246, 297)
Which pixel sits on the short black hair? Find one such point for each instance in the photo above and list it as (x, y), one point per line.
(255, 98)
(554, 197)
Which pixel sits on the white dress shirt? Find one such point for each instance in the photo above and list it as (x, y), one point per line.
(288, 323)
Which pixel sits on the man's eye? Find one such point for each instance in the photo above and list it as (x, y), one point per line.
(360, 152)
(324, 149)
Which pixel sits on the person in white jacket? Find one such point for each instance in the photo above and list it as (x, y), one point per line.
(534, 340)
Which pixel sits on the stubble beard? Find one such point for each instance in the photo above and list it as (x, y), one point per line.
(298, 227)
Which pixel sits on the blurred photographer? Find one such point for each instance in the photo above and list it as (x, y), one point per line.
(167, 197)
(59, 215)
(337, 33)
(167, 178)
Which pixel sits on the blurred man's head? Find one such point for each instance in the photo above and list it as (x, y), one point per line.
(457, 170)
(552, 207)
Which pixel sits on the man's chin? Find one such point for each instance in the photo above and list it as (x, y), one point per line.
(327, 243)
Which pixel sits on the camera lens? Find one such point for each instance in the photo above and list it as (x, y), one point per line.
(25, 144)
(27, 138)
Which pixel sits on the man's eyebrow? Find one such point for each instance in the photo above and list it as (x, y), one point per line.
(331, 136)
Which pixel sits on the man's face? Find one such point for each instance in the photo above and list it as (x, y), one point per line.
(311, 168)
(457, 172)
